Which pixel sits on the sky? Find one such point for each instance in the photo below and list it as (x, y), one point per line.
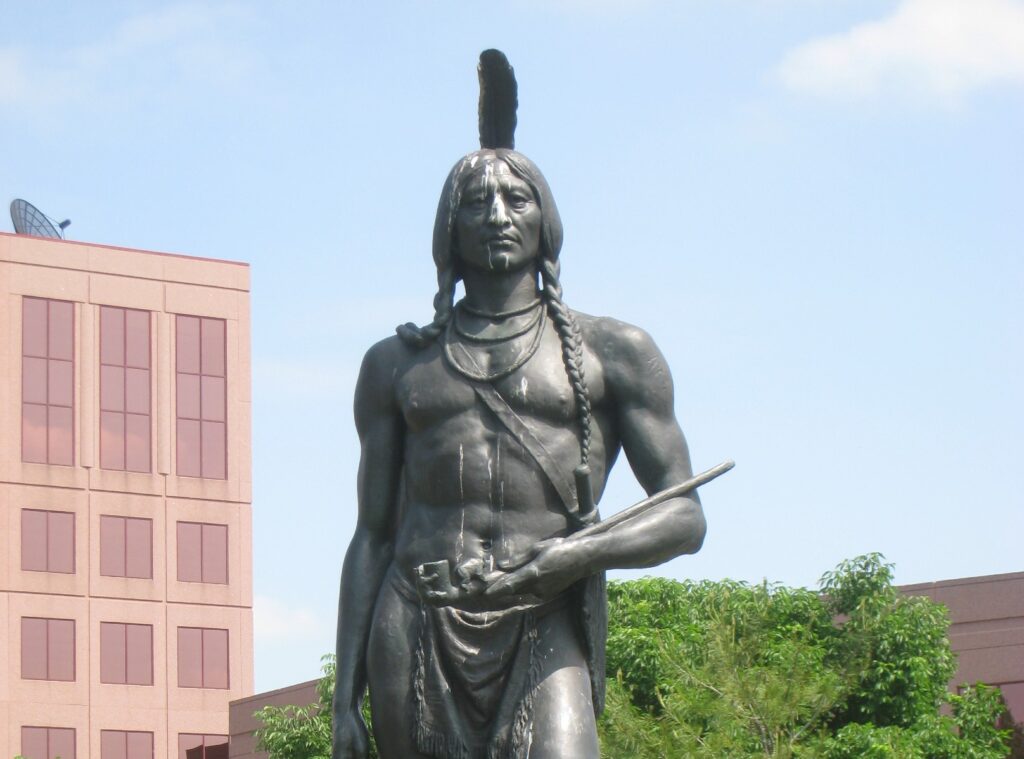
(813, 206)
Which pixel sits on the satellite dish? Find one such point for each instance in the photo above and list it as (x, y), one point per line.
(29, 220)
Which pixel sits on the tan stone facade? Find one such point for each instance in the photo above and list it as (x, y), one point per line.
(158, 289)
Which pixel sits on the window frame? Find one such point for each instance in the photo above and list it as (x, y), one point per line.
(125, 646)
(202, 554)
(47, 539)
(200, 420)
(49, 729)
(49, 666)
(49, 360)
(124, 543)
(124, 734)
(204, 740)
(204, 676)
(124, 367)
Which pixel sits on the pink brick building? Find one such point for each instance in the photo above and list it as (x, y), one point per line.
(987, 631)
(125, 501)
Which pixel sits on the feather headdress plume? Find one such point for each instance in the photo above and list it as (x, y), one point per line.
(498, 101)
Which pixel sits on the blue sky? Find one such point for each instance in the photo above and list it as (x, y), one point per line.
(814, 207)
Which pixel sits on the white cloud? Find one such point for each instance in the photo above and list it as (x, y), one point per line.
(23, 83)
(154, 51)
(929, 49)
(276, 621)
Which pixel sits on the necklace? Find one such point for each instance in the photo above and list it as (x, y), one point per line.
(483, 338)
(470, 369)
(497, 315)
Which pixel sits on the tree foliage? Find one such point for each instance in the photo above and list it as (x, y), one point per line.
(304, 732)
(727, 670)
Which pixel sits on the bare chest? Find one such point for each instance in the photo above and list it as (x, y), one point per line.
(434, 391)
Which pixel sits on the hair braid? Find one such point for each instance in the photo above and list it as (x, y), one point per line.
(444, 301)
(572, 347)
(445, 260)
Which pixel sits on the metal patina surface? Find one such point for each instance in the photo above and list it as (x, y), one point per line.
(472, 595)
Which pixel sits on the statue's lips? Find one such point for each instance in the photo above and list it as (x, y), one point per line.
(501, 242)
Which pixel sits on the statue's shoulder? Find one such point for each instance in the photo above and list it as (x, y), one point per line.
(614, 341)
(385, 360)
(629, 359)
(376, 395)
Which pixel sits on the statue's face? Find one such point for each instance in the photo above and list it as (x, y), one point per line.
(498, 224)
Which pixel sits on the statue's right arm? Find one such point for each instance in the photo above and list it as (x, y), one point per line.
(381, 433)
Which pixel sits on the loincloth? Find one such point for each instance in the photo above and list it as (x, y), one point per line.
(474, 678)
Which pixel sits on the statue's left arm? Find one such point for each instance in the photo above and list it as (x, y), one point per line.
(641, 400)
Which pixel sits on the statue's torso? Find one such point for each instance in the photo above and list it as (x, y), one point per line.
(471, 491)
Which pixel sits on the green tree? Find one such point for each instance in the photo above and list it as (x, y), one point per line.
(896, 646)
(743, 673)
(304, 732)
(726, 669)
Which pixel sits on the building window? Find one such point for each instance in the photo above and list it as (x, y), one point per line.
(48, 742)
(47, 381)
(126, 546)
(47, 649)
(202, 657)
(47, 541)
(126, 653)
(195, 746)
(124, 389)
(200, 368)
(125, 744)
(202, 552)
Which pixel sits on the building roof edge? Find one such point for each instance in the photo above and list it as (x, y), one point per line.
(131, 250)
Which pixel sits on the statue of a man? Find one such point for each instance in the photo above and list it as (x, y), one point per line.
(466, 604)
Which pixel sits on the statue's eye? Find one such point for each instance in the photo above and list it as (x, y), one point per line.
(519, 202)
(474, 201)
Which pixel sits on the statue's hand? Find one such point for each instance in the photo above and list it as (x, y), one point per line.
(553, 566)
(351, 738)
(434, 583)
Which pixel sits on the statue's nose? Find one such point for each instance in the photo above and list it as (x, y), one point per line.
(498, 212)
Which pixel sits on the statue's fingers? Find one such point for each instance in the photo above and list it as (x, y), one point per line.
(436, 597)
(507, 585)
(425, 585)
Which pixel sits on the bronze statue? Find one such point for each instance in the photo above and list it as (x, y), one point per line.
(472, 595)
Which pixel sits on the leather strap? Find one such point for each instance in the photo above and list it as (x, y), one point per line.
(590, 592)
(563, 483)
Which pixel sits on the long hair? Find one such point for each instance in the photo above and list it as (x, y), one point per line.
(448, 276)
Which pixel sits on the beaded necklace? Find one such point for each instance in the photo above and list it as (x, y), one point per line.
(469, 367)
(479, 338)
(497, 315)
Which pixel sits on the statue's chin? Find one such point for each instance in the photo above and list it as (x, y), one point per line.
(508, 261)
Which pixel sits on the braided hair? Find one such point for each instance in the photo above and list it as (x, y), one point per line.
(448, 275)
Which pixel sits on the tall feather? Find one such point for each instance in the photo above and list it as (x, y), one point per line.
(499, 98)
